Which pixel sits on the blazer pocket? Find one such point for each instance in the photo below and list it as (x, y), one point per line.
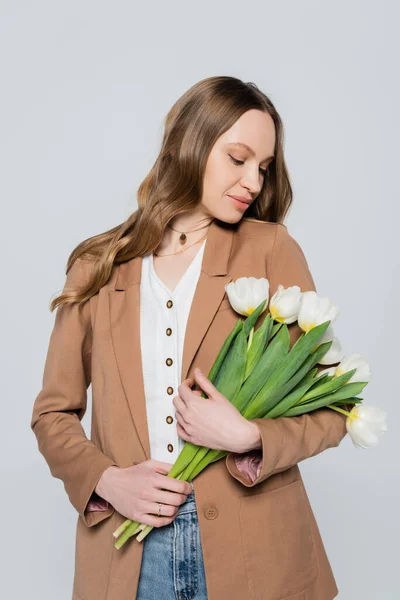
(280, 558)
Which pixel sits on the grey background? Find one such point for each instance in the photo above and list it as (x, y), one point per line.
(85, 87)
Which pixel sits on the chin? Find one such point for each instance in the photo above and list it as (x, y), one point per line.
(231, 218)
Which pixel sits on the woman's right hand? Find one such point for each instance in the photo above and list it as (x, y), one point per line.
(135, 491)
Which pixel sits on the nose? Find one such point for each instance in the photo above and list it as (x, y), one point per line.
(251, 181)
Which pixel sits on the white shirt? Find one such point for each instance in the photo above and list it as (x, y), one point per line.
(162, 333)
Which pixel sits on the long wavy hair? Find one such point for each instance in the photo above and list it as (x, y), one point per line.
(174, 184)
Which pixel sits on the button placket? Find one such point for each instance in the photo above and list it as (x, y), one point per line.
(164, 385)
(171, 362)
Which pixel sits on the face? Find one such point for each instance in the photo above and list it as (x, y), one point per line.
(234, 170)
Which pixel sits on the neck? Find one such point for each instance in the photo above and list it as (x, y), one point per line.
(185, 223)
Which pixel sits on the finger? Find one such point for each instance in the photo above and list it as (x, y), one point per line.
(185, 392)
(180, 419)
(161, 467)
(189, 381)
(153, 521)
(205, 383)
(187, 384)
(172, 498)
(182, 433)
(180, 405)
(166, 510)
(173, 485)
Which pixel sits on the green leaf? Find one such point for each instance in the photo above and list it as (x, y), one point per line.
(259, 343)
(231, 373)
(291, 399)
(278, 385)
(224, 350)
(310, 375)
(313, 372)
(275, 329)
(315, 404)
(327, 387)
(274, 353)
(268, 397)
(251, 320)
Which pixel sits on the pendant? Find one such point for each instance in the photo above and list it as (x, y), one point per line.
(182, 238)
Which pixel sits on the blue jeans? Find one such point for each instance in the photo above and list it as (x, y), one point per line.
(172, 563)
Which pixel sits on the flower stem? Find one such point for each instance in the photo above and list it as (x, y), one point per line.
(344, 412)
(147, 528)
(130, 528)
(122, 528)
(129, 531)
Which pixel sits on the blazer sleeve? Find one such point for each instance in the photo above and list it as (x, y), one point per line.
(288, 440)
(61, 404)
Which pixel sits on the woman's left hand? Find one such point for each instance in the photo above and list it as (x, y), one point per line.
(212, 422)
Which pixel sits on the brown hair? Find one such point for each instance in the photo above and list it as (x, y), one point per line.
(174, 184)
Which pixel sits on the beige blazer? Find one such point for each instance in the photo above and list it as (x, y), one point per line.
(260, 540)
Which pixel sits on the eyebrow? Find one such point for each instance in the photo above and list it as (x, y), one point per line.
(249, 149)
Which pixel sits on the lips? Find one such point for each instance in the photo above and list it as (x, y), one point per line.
(241, 199)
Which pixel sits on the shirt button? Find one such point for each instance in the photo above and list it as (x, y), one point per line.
(168, 331)
(169, 303)
(169, 419)
(170, 448)
(211, 512)
(169, 361)
(170, 390)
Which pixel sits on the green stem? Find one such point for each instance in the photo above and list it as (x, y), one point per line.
(345, 412)
(202, 452)
(122, 528)
(148, 528)
(207, 459)
(129, 531)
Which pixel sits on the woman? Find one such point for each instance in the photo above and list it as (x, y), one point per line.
(143, 305)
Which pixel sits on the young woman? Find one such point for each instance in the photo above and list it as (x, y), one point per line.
(143, 305)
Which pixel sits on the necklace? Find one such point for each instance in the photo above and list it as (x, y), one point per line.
(183, 237)
(183, 249)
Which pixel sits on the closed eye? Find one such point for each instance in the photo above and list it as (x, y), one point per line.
(241, 162)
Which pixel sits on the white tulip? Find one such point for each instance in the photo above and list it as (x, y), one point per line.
(335, 353)
(349, 363)
(284, 305)
(364, 424)
(354, 361)
(246, 293)
(315, 309)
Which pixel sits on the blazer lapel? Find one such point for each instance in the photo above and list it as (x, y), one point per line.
(124, 305)
(209, 291)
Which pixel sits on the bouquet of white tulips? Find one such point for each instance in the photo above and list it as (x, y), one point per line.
(264, 378)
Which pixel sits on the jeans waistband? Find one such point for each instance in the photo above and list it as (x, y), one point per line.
(191, 497)
(189, 504)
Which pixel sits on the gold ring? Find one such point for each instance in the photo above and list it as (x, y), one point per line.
(159, 509)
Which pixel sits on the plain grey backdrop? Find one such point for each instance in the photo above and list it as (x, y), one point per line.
(85, 87)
